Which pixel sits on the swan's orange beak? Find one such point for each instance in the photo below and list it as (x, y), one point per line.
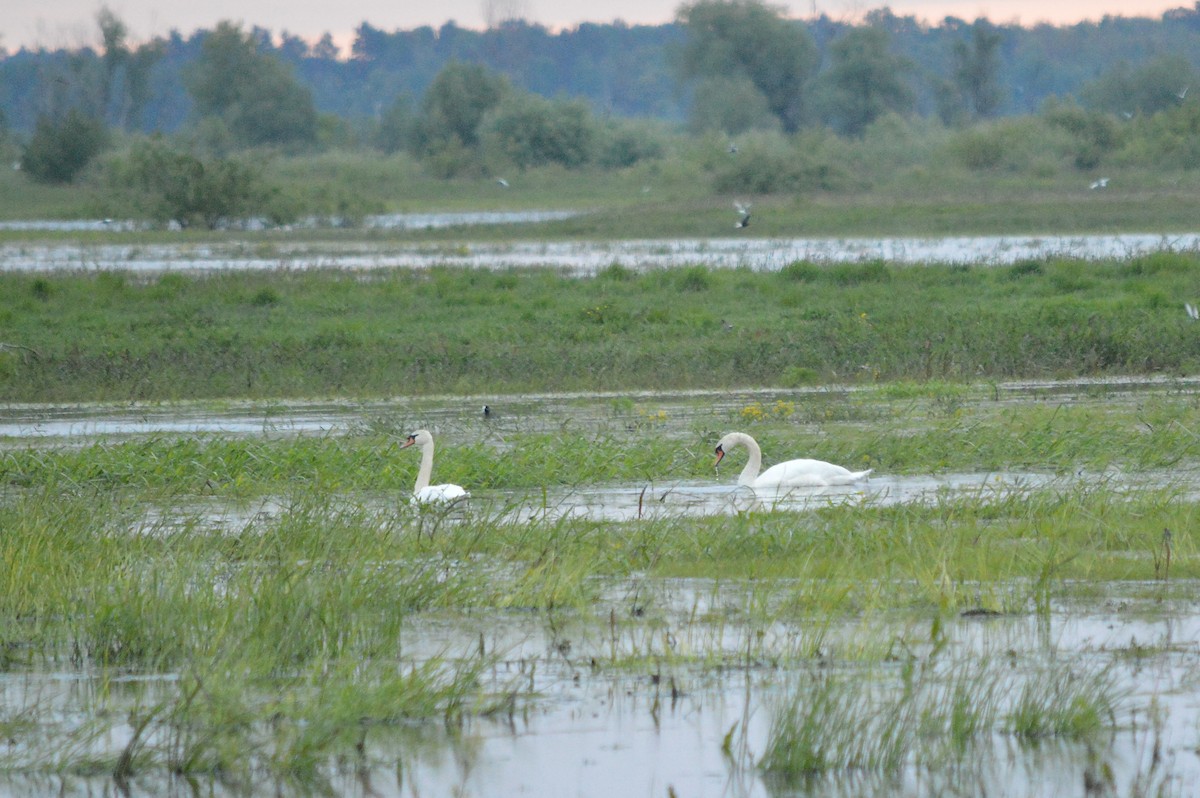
(720, 453)
(411, 440)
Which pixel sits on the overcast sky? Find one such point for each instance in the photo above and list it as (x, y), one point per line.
(71, 23)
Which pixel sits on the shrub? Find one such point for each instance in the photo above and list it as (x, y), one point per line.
(626, 144)
(172, 186)
(527, 130)
(1010, 145)
(771, 165)
(1094, 135)
(60, 150)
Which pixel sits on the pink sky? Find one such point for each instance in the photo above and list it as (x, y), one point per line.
(71, 23)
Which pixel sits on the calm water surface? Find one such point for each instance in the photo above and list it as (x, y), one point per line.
(583, 257)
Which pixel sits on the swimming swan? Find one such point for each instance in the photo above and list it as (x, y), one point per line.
(791, 474)
(423, 492)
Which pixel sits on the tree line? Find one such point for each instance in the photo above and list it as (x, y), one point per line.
(629, 71)
(518, 94)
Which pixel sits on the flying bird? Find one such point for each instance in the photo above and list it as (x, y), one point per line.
(502, 181)
(1192, 312)
(744, 210)
(1101, 183)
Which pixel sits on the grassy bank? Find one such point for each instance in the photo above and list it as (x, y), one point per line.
(114, 336)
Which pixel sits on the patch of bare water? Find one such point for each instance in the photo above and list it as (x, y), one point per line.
(584, 257)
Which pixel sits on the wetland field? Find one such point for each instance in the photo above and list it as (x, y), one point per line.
(214, 582)
(230, 598)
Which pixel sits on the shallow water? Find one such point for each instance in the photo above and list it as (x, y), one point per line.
(599, 731)
(585, 257)
(629, 736)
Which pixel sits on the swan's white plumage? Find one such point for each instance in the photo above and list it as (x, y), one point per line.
(423, 492)
(802, 473)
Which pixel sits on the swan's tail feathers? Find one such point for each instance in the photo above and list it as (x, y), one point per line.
(856, 476)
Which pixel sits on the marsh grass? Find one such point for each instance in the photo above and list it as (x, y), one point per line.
(838, 723)
(277, 648)
(1151, 434)
(285, 643)
(320, 578)
(281, 642)
(114, 336)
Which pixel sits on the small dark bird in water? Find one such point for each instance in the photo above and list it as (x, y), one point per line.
(744, 210)
(487, 411)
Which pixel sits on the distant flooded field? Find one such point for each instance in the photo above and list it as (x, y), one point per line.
(763, 254)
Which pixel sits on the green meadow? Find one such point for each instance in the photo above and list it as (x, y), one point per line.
(113, 336)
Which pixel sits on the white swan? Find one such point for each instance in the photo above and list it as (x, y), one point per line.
(791, 474)
(423, 492)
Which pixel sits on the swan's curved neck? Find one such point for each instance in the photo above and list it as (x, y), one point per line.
(753, 462)
(426, 471)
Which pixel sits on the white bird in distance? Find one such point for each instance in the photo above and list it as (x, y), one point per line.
(744, 210)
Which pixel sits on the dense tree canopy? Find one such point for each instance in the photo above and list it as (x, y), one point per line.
(265, 104)
(977, 70)
(531, 131)
(456, 103)
(865, 80)
(734, 67)
(1157, 85)
(749, 39)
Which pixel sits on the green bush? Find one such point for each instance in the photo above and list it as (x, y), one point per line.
(61, 149)
(772, 164)
(1012, 145)
(623, 145)
(1094, 135)
(527, 131)
(168, 185)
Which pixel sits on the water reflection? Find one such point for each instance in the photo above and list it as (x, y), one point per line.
(695, 498)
